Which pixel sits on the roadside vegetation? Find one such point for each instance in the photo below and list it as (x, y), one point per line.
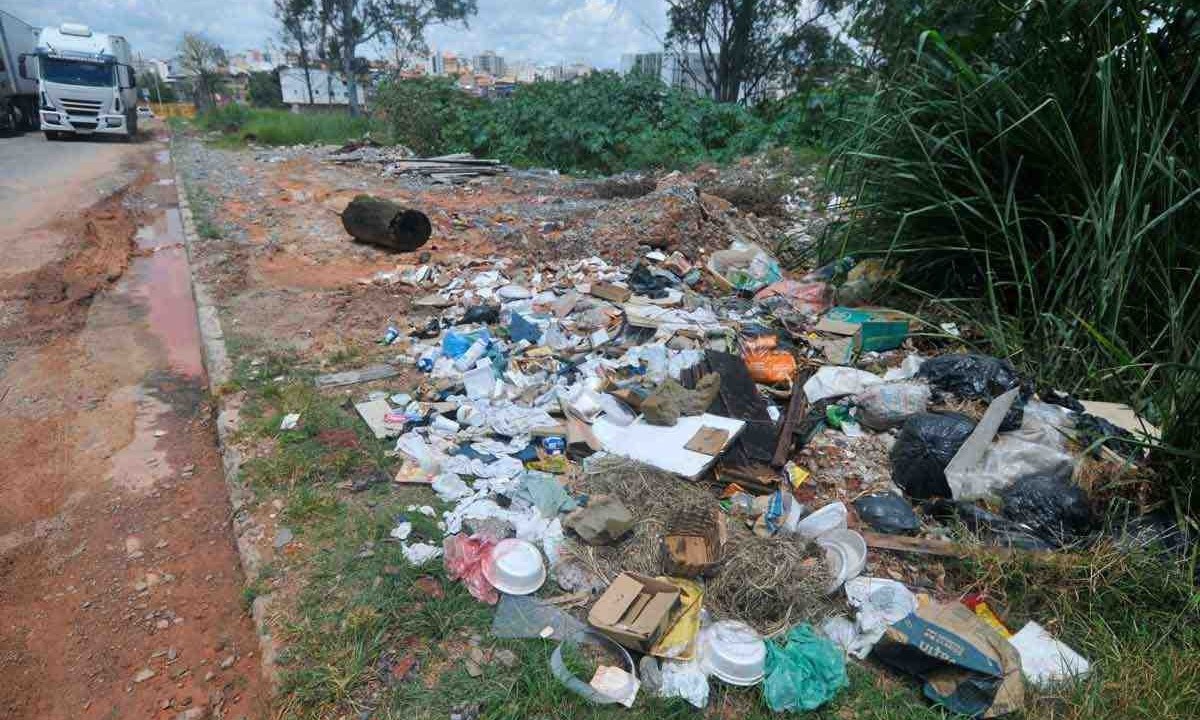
(602, 124)
(1046, 187)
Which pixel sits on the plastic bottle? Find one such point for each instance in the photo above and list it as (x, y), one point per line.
(467, 360)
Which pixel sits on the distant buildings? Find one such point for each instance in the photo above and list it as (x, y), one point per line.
(673, 69)
(491, 64)
(328, 89)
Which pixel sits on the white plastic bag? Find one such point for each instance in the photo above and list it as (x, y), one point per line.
(832, 380)
(684, 680)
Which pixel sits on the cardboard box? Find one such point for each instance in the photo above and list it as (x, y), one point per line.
(610, 292)
(634, 610)
(873, 329)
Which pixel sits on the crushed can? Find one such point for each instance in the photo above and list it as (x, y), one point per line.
(390, 336)
(554, 445)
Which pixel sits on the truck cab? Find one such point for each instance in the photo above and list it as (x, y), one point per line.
(85, 83)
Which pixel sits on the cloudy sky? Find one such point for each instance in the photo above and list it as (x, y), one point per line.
(593, 31)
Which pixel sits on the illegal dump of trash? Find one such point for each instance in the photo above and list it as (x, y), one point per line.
(700, 471)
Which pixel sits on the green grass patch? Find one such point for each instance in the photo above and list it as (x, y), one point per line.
(203, 206)
(242, 123)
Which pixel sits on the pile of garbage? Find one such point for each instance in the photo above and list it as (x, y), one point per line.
(631, 434)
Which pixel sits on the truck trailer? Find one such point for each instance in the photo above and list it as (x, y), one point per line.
(86, 84)
(18, 95)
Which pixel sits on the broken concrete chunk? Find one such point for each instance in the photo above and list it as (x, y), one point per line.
(602, 522)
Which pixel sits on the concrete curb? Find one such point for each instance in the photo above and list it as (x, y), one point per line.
(219, 369)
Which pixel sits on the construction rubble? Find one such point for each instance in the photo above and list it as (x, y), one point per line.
(714, 471)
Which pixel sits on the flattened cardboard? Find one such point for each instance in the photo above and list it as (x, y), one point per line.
(708, 441)
(610, 292)
(634, 610)
(966, 665)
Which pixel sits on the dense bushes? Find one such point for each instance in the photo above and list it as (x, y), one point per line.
(1054, 179)
(602, 123)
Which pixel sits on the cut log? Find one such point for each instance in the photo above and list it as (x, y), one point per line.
(382, 222)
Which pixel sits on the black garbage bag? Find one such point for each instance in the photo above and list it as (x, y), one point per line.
(1052, 507)
(481, 314)
(644, 282)
(996, 530)
(978, 377)
(1091, 429)
(927, 444)
(888, 513)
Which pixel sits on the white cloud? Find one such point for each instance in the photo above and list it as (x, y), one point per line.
(593, 31)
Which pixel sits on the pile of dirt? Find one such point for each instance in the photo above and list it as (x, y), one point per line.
(676, 216)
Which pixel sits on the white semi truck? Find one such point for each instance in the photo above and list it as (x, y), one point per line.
(18, 95)
(86, 84)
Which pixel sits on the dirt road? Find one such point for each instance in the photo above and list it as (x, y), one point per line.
(120, 589)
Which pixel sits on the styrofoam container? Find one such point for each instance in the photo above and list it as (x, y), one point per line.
(733, 652)
(845, 555)
(828, 518)
(515, 567)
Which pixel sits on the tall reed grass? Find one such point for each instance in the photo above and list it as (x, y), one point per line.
(1055, 201)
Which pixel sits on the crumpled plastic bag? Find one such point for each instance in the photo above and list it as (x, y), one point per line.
(745, 266)
(684, 680)
(833, 380)
(806, 298)
(464, 559)
(679, 640)
(805, 673)
(888, 405)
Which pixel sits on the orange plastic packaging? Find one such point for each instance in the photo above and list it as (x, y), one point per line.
(771, 367)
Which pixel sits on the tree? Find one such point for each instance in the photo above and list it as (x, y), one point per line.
(264, 90)
(159, 91)
(298, 18)
(202, 60)
(355, 22)
(743, 44)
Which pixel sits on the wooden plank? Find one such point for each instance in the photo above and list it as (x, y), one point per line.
(945, 548)
(353, 377)
(797, 408)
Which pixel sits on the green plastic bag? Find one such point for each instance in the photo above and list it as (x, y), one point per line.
(805, 673)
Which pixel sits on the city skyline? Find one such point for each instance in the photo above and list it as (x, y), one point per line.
(596, 32)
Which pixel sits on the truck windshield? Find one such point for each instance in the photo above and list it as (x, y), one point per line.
(71, 72)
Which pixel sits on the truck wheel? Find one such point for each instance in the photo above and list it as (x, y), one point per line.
(30, 115)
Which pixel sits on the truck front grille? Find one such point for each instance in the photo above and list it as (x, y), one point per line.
(89, 108)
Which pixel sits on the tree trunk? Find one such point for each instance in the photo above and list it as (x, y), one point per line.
(304, 64)
(382, 222)
(349, 45)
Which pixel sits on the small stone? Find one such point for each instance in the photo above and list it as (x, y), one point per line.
(162, 624)
(228, 662)
(403, 667)
(196, 713)
(473, 669)
(506, 657)
(429, 587)
(143, 675)
(172, 654)
(208, 676)
(160, 544)
(283, 538)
